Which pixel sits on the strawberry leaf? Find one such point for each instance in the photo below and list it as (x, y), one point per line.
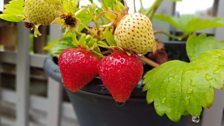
(70, 5)
(57, 46)
(190, 23)
(13, 11)
(108, 34)
(178, 88)
(196, 45)
(85, 15)
(112, 4)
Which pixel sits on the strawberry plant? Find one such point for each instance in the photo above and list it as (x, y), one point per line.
(111, 42)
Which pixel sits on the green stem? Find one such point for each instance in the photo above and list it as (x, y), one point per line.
(97, 25)
(148, 61)
(91, 1)
(74, 40)
(153, 8)
(135, 10)
(170, 35)
(96, 19)
(88, 29)
(106, 11)
(141, 6)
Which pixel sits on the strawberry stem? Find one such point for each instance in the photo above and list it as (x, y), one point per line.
(148, 61)
(153, 8)
(135, 10)
(171, 36)
(107, 11)
(101, 14)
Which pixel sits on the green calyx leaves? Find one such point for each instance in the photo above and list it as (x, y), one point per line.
(178, 88)
(13, 11)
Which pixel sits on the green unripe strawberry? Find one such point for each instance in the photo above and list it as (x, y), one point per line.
(41, 12)
(134, 33)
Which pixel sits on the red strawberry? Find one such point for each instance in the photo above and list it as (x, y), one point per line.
(78, 67)
(120, 74)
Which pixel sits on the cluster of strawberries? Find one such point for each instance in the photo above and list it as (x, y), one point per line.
(119, 72)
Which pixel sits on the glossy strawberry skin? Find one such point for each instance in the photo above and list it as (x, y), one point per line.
(78, 67)
(120, 74)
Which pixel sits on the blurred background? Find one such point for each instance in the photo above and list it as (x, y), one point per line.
(24, 83)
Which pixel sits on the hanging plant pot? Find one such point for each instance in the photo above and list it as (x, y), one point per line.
(95, 107)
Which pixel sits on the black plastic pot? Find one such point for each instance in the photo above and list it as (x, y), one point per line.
(95, 107)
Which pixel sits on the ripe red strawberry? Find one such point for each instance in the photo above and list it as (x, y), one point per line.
(78, 67)
(120, 74)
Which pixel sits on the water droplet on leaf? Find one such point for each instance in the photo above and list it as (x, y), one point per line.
(195, 119)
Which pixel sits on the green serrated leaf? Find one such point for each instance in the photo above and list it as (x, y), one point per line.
(190, 23)
(13, 11)
(177, 87)
(197, 44)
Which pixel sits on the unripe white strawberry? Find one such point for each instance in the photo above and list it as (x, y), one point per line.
(41, 12)
(134, 33)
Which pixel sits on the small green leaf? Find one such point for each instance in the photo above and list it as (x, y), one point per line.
(102, 44)
(13, 11)
(91, 42)
(115, 5)
(198, 44)
(109, 37)
(190, 23)
(109, 4)
(82, 40)
(85, 15)
(70, 5)
(178, 88)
